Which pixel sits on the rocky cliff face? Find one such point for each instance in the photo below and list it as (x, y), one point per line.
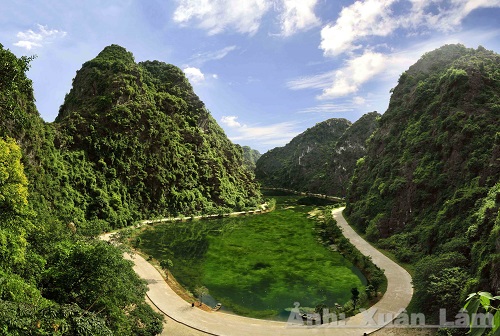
(250, 157)
(428, 185)
(321, 159)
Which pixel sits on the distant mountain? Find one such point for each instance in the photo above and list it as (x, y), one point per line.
(250, 157)
(319, 160)
(428, 188)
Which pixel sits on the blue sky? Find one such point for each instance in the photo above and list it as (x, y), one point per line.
(266, 69)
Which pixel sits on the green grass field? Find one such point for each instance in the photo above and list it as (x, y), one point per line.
(256, 265)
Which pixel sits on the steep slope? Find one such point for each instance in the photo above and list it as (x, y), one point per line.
(52, 278)
(428, 188)
(250, 157)
(321, 159)
(151, 139)
(342, 157)
(131, 141)
(294, 165)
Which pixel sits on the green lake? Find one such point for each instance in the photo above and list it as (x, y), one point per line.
(256, 265)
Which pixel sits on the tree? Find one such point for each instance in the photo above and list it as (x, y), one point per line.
(13, 182)
(434, 276)
(482, 302)
(166, 265)
(443, 288)
(200, 291)
(355, 296)
(370, 291)
(14, 222)
(19, 319)
(95, 276)
(319, 310)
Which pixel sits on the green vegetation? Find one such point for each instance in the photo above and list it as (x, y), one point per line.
(257, 265)
(320, 160)
(153, 145)
(427, 190)
(331, 235)
(483, 303)
(250, 157)
(131, 141)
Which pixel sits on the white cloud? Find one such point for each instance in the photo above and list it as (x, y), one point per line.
(202, 58)
(30, 39)
(194, 75)
(455, 16)
(319, 81)
(273, 134)
(346, 80)
(329, 108)
(357, 71)
(219, 16)
(361, 19)
(359, 100)
(368, 18)
(245, 17)
(28, 45)
(230, 121)
(298, 15)
(448, 18)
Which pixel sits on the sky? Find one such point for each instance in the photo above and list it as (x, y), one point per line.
(266, 69)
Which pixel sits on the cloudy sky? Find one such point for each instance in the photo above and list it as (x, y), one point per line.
(266, 69)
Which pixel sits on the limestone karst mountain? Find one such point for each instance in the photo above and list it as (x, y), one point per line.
(428, 187)
(319, 160)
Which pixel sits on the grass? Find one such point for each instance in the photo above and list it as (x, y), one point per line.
(256, 265)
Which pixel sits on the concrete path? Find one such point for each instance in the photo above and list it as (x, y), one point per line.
(396, 298)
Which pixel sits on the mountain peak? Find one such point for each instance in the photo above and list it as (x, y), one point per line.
(115, 52)
(311, 161)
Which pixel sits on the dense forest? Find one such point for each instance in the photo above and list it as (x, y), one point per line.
(131, 141)
(250, 157)
(319, 160)
(155, 146)
(428, 188)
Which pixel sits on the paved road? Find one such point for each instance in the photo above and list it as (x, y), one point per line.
(396, 298)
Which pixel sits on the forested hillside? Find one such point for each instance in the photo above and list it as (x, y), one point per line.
(131, 141)
(250, 157)
(151, 139)
(428, 188)
(321, 159)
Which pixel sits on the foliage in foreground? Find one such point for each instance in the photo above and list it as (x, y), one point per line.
(483, 303)
(73, 286)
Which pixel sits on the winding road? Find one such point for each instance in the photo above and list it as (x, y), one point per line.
(396, 299)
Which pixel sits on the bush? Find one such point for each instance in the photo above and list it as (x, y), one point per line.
(438, 282)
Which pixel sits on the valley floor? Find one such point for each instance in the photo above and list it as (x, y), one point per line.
(397, 296)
